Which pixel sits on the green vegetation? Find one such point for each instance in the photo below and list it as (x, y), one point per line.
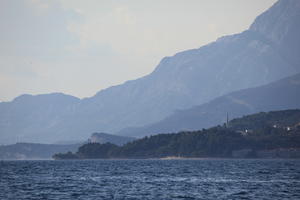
(284, 118)
(262, 131)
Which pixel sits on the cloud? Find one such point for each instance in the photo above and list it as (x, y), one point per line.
(40, 6)
(118, 29)
(34, 28)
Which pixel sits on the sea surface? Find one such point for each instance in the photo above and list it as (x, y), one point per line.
(150, 179)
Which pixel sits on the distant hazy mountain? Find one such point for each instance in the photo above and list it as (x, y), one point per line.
(280, 95)
(105, 138)
(23, 151)
(267, 51)
(31, 118)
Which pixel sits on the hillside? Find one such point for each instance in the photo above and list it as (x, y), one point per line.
(266, 52)
(289, 119)
(280, 95)
(274, 134)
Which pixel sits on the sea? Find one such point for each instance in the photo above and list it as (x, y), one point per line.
(150, 179)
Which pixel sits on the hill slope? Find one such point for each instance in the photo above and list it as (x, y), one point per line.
(280, 95)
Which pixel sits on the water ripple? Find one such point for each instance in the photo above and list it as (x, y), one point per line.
(150, 179)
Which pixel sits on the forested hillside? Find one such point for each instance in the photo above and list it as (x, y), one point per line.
(249, 136)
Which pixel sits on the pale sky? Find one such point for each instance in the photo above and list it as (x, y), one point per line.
(79, 47)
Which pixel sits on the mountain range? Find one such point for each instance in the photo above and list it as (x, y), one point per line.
(266, 52)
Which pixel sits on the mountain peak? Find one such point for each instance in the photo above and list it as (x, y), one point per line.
(52, 96)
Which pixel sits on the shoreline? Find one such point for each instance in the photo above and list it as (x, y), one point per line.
(161, 159)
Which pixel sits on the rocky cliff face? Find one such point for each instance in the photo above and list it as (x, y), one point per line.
(257, 56)
(281, 26)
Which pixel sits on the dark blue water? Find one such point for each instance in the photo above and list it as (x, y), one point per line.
(150, 179)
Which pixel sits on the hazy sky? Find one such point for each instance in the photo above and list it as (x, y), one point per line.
(82, 46)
